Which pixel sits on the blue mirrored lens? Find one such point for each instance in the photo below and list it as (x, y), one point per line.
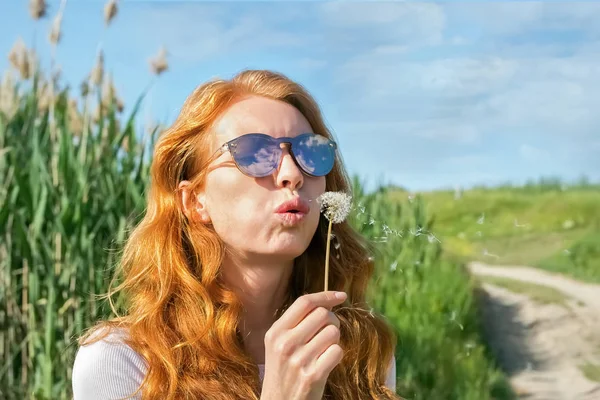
(256, 154)
(314, 153)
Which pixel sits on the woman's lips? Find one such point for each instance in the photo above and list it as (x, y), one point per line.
(290, 218)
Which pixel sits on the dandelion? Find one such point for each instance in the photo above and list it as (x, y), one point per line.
(481, 219)
(37, 9)
(110, 11)
(159, 64)
(335, 206)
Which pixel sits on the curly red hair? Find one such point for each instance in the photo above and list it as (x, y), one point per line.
(183, 320)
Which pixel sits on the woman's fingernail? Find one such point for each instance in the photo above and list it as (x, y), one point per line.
(340, 295)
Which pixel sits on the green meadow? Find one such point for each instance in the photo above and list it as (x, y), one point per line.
(547, 224)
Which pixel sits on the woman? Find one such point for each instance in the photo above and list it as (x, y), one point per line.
(224, 275)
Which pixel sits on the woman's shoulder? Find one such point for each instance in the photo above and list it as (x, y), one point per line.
(107, 367)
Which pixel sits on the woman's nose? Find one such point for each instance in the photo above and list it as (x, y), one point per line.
(288, 173)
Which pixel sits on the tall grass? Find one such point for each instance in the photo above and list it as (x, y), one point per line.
(65, 201)
(430, 302)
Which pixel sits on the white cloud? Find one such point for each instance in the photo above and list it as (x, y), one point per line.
(194, 32)
(510, 18)
(401, 23)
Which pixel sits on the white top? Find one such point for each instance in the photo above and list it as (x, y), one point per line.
(110, 369)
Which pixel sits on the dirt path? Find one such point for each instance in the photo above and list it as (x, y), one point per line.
(542, 346)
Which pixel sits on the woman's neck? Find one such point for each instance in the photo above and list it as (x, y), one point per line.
(262, 290)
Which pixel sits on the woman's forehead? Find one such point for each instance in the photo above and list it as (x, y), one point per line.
(260, 115)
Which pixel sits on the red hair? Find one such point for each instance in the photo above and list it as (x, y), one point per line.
(183, 320)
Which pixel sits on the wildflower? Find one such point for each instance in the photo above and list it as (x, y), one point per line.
(335, 206)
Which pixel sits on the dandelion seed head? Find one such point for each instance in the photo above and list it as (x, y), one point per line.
(335, 206)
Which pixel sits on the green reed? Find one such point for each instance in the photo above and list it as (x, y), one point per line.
(67, 200)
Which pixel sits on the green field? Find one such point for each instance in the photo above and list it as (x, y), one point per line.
(546, 224)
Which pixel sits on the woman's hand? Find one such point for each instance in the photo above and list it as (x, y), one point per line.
(302, 348)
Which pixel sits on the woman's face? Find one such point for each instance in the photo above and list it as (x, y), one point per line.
(242, 209)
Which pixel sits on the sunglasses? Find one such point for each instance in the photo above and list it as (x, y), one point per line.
(258, 155)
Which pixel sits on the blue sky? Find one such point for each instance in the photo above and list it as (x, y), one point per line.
(423, 95)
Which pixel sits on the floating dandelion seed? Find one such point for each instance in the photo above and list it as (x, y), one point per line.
(394, 266)
(431, 237)
(481, 219)
(488, 254)
(37, 9)
(110, 11)
(159, 64)
(335, 206)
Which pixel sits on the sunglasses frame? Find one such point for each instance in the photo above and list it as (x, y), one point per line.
(288, 141)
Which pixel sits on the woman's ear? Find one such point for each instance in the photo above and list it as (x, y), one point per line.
(193, 204)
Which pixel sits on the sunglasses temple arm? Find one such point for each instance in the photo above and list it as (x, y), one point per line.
(214, 156)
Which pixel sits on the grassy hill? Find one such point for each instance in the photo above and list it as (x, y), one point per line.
(546, 224)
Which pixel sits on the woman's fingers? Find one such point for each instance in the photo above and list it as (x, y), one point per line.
(307, 303)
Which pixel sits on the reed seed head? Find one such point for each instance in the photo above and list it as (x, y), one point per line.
(159, 63)
(21, 59)
(55, 31)
(9, 99)
(97, 74)
(110, 11)
(37, 9)
(75, 118)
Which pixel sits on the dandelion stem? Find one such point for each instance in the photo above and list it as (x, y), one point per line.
(327, 256)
